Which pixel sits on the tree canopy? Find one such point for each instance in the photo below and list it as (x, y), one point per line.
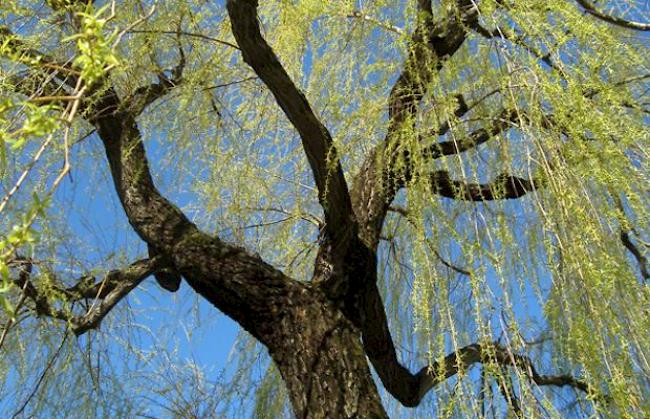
(416, 208)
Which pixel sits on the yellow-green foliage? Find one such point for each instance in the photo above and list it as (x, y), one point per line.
(547, 274)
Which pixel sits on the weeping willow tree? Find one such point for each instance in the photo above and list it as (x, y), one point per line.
(436, 209)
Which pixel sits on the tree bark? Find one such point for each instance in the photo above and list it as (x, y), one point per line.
(322, 362)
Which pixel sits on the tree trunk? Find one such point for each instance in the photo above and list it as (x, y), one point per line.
(320, 357)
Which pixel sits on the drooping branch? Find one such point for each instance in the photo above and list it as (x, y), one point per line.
(316, 139)
(594, 11)
(545, 57)
(409, 389)
(504, 186)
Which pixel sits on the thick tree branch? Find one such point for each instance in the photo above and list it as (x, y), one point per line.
(475, 138)
(505, 186)
(154, 218)
(409, 389)
(106, 293)
(594, 11)
(316, 139)
(240, 284)
(431, 45)
(120, 283)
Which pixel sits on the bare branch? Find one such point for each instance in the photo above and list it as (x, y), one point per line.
(409, 388)
(120, 283)
(505, 186)
(106, 293)
(47, 369)
(188, 34)
(478, 137)
(594, 11)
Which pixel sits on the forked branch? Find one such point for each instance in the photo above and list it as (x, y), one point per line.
(431, 45)
(105, 294)
(145, 95)
(473, 139)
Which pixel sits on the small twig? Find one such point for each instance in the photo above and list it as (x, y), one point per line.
(25, 272)
(449, 264)
(42, 99)
(218, 86)
(190, 34)
(359, 15)
(42, 377)
(594, 11)
(129, 27)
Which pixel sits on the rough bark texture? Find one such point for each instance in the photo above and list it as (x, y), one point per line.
(321, 359)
